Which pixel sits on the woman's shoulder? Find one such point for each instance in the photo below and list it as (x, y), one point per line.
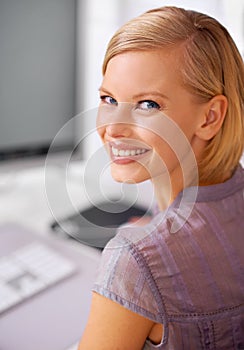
(124, 275)
(190, 223)
(190, 212)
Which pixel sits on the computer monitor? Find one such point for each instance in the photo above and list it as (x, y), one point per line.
(37, 69)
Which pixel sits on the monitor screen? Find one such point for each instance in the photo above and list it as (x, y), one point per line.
(37, 70)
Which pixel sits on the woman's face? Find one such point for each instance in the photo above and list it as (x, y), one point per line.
(146, 118)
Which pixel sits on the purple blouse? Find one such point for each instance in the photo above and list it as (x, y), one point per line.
(191, 281)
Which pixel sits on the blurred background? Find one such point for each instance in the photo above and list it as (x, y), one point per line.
(50, 66)
(51, 53)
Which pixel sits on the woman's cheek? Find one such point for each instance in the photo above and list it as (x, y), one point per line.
(100, 129)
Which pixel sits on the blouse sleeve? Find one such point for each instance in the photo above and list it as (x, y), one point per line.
(123, 279)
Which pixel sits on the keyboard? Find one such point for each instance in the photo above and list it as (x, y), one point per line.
(30, 270)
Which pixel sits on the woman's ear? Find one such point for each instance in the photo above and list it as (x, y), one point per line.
(214, 115)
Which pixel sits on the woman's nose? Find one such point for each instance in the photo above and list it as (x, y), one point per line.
(117, 120)
(118, 129)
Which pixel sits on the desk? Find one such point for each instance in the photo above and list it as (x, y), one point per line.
(23, 201)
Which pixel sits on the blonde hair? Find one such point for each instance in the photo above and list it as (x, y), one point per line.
(211, 65)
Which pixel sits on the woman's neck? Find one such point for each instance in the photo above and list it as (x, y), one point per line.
(168, 185)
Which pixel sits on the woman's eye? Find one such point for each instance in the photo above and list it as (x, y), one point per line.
(109, 100)
(148, 105)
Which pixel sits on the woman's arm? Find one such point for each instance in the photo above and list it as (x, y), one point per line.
(112, 327)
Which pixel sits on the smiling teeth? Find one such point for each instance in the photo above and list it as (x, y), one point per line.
(127, 152)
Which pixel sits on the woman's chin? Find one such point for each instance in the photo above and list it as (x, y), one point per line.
(121, 173)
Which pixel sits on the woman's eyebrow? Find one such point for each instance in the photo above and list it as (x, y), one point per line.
(101, 88)
(139, 95)
(150, 93)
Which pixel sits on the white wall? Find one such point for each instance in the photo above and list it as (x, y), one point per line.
(234, 12)
(212, 7)
(99, 19)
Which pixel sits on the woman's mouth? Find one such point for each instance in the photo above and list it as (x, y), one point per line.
(124, 154)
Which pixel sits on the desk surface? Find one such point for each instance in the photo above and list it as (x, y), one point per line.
(54, 318)
(24, 202)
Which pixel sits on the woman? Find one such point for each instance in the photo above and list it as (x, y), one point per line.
(171, 110)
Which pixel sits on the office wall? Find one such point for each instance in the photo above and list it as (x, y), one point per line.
(96, 21)
(234, 16)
